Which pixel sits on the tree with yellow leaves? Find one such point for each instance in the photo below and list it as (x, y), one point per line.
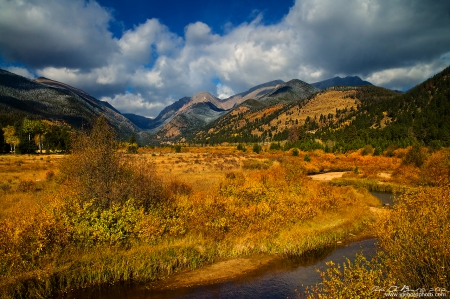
(9, 133)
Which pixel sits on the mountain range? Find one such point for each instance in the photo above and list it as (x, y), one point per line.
(43, 98)
(264, 112)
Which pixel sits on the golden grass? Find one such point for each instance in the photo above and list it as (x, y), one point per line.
(218, 208)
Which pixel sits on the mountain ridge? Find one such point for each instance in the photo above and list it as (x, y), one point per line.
(22, 97)
(338, 81)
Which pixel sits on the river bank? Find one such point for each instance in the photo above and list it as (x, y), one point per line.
(275, 277)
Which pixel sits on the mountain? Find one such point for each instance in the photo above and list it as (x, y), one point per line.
(190, 121)
(341, 119)
(140, 121)
(338, 81)
(256, 92)
(186, 115)
(293, 90)
(47, 99)
(189, 114)
(257, 119)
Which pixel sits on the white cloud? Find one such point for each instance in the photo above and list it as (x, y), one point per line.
(21, 72)
(58, 33)
(396, 44)
(151, 38)
(224, 92)
(133, 103)
(407, 77)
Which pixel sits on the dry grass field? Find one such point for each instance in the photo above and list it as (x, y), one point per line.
(102, 216)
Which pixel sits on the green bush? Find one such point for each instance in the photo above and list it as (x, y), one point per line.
(367, 150)
(132, 148)
(241, 147)
(416, 156)
(257, 148)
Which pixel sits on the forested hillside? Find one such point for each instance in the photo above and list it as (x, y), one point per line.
(48, 110)
(384, 118)
(342, 118)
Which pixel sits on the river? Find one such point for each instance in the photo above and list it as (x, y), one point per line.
(278, 279)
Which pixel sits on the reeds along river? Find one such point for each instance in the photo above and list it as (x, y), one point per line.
(282, 278)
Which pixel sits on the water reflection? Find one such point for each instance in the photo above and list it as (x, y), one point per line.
(279, 279)
(385, 197)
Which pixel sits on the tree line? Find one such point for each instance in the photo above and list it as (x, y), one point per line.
(35, 135)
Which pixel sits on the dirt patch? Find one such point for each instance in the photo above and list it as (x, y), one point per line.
(327, 176)
(385, 175)
(218, 272)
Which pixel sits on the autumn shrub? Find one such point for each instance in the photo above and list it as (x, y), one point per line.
(5, 187)
(415, 156)
(95, 168)
(257, 164)
(132, 148)
(27, 186)
(415, 251)
(49, 175)
(436, 170)
(179, 187)
(416, 238)
(367, 150)
(116, 226)
(27, 236)
(103, 176)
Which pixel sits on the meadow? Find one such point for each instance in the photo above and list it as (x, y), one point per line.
(101, 216)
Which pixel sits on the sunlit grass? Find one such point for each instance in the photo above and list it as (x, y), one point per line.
(219, 203)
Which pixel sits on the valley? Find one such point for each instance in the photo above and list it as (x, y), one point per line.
(283, 170)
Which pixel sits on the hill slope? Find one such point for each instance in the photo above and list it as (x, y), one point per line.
(338, 81)
(189, 114)
(253, 120)
(52, 100)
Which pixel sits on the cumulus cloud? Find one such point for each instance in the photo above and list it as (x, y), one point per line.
(21, 72)
(134, 103)
(55, 33)
(396, 44)
(403, 78)
(224, 92)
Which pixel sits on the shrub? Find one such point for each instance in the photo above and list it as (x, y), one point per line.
(367, 150)
(49, 175)
(27, 186)
(177, 148)
(97, 171)
(241, 147)
(436, 170)
(275, 146)
(415, 156)
(295, 152)
(132, 148)
(5, 187)
(257, 164)
(179, 187)
(257, 148)
(414, 240)
(116, 226)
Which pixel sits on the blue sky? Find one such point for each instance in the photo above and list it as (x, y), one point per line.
(218, 14)
(143, 55)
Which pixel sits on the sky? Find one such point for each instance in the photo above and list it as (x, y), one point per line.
(141, 56)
